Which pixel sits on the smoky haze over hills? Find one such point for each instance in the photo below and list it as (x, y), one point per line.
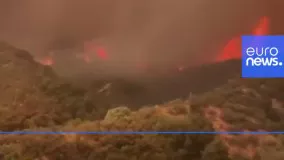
(157, 32)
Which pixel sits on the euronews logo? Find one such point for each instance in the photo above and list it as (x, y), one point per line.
(262, 57)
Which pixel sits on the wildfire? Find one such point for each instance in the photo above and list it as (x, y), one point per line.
(90, 52)
(91, 49)
(47, 61)
(233, 48)
(233, 51)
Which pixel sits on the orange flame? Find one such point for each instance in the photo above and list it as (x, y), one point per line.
(233, 51)
(233, 48)
(263, 27)
(47, 61)
(90, 49)
(101, 53)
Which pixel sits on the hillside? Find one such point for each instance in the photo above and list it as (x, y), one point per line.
(240, 105)
(33, 98)
(32, 95)
(157, 89)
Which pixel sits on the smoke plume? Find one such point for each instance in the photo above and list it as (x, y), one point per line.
(158, 33)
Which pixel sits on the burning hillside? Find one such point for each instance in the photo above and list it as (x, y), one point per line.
(135, 66)
(238, 105)
(129, 38)
(35, 92)
(95, 60)
(33, 96)
(98, 58)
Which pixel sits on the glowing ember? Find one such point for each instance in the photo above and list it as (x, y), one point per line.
(90, 49)
(233, 48)
(101, 53)
(48, 61)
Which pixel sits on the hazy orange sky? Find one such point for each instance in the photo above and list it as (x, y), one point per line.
(159, 32)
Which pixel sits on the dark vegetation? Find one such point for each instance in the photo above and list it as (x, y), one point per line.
(34, 98)
(158, 89)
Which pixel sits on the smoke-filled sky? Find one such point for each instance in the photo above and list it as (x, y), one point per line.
(158, 32)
